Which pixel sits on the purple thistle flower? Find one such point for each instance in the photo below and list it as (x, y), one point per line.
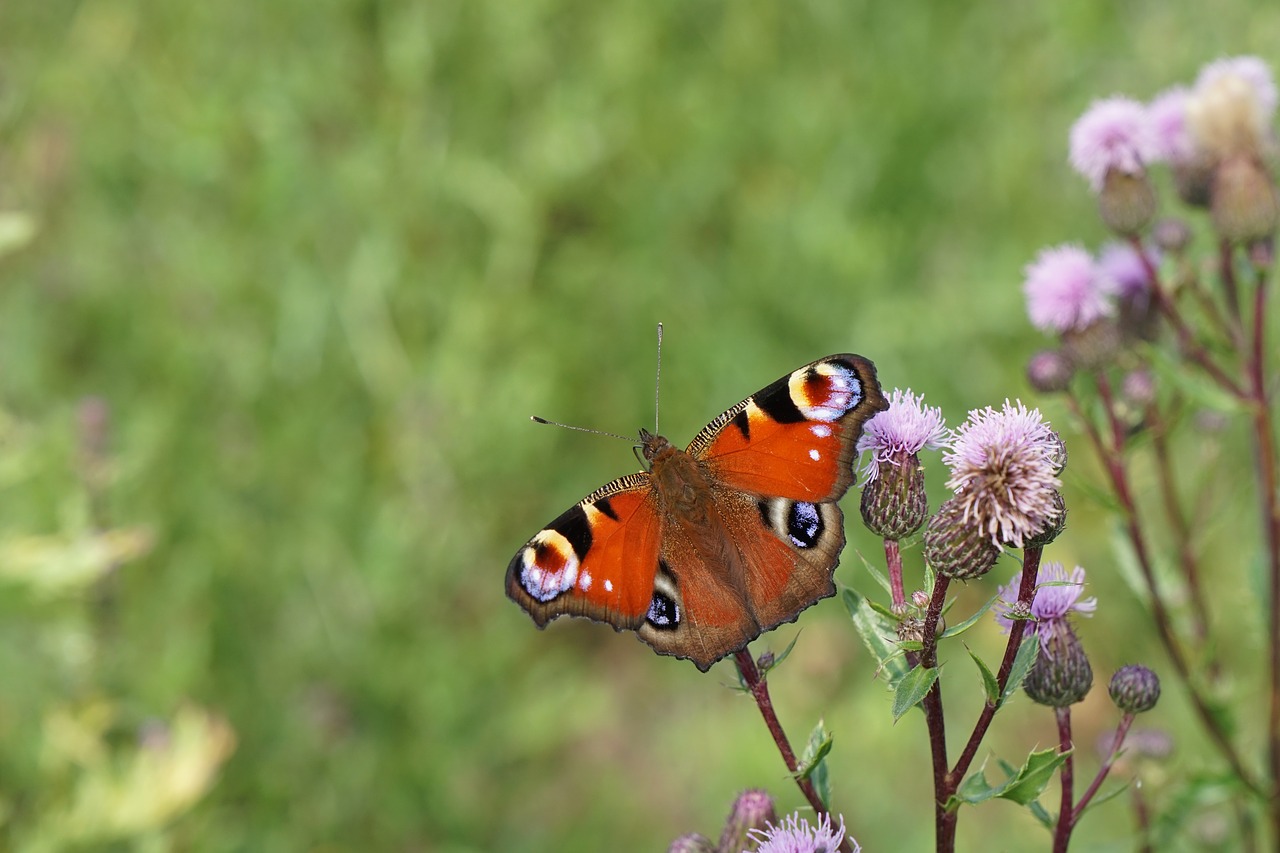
(796, 835)
(904, 429)
(1057, 596)
(1065, 290)
(1004, 468)
(1121, 264)
(1112, 134)
(1167, 114)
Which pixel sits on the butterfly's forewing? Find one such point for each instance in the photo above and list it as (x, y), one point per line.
(598, 559)
(780, 459)
(796, 438)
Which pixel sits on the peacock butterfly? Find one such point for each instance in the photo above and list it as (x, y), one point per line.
(714, 545)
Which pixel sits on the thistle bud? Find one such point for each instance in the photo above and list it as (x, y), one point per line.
(1134, 689)
(920, 599)
(692, 843)
(1049, 371)
(1127, 201)
(1061, 675)
(1171, 235)
(1094, 345)
(894, 503)
(1244, 205)
(956, 547)
(752, 810)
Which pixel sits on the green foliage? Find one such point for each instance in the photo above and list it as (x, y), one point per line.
(813, 763)
(1021, 785)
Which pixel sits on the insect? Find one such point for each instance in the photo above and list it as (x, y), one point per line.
(716, 544)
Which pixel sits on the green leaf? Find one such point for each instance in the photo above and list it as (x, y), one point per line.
(1109, 795)
(1033, 776)
(1022, 785)
(877, 575)
(989, 683)
(881, 609)
(911, 645)
(876, 633)
(813, 762)
(778, 659)
(957, 630)
(913, 687)
(1022, 663)
(1038, 811)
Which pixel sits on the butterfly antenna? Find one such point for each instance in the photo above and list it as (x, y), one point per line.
(538, 420)
(657, 383)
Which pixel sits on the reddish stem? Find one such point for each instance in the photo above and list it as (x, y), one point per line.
(759, 686)
(1026, 592)
(1113, 462)
(1117, 741)
(944, 821)
(1066, 814)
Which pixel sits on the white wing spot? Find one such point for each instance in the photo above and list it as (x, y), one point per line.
(815, 455)
(608, 585)
(584, 580)
(820, 430)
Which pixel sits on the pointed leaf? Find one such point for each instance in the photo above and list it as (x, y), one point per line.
(913, 687)
(1040, 814)
(1033, 776)
(813, 762)
(989, 683)
(876, 632)
(1022, 663)
(957, 630)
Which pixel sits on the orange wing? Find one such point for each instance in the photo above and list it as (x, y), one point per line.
(598, 559)
(797, 437)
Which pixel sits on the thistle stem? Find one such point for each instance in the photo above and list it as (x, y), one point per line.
(1117, 741)
(893, 560)
(1066, 813)
(759, 686)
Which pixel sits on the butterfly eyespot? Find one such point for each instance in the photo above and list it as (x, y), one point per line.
(549, 566)
(799, 522)
(825, 391)
(663, 612)
(804, 524)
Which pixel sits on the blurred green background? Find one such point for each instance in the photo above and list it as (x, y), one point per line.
(282, 284)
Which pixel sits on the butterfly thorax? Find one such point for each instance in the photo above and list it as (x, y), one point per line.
(686, 498)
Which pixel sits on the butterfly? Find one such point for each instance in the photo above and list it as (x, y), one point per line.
(716, 544)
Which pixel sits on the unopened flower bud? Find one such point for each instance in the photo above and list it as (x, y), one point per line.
(1093, 346)
(956, 547)
(1135, 689)
(1139, 388)
(1244, 206)
(894, 503)
(753, 810)
(1127, 201)
(920, 599)
(1193, 180)
(765, 661)
(1171, 235)
(1061, 675)
(1049, 371)
(692, 843)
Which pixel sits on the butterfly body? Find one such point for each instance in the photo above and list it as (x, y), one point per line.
(713, 545)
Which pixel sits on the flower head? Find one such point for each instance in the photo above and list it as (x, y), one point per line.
(905, 428)
(1065, 290)
(1124, 267)
(1113, 134)
(1230, 110)
(1004, 468)
(1057, 596)
(796, 835)
(1167, 114)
